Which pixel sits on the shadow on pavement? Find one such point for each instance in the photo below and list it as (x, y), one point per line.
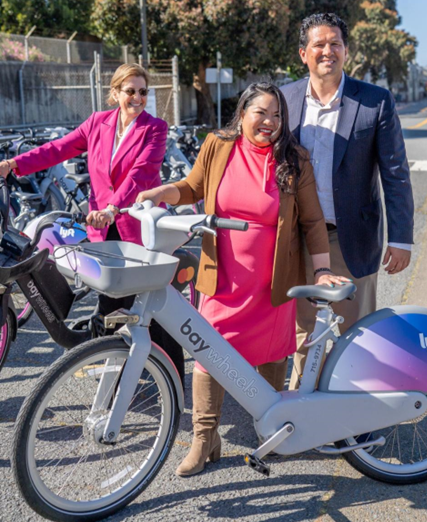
(273, 504)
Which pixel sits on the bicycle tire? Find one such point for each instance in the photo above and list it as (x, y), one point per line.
(22, 306)
(193, 293)
(69, 502)
(54, 199)
(6, 334)
(397, 461)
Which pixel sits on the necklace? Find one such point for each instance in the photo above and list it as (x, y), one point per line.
(121, 134)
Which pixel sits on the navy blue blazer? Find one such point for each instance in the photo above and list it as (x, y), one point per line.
(368, 146)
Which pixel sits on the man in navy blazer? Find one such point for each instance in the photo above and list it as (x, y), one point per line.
(353, 134)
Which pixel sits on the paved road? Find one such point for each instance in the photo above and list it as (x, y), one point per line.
(307, 487)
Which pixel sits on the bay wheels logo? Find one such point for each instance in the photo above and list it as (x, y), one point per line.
(185, 275)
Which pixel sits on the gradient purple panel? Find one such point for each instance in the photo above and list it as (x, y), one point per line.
(56, 235)
(390, 355)
(79, 263)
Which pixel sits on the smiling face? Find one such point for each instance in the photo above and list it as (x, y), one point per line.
(131, 106)
(261, 120)
(325, 53)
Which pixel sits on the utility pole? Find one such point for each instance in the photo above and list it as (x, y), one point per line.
(27, 52)
(218, 86)
(143, 13)
(69, 46)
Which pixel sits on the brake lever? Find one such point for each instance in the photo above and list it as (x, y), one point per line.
(202, 228)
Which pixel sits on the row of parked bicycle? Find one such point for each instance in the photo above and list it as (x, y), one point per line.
(48, 208)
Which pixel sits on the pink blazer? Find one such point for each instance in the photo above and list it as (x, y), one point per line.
(135, 167)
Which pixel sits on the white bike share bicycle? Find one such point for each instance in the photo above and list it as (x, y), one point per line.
(102, 419)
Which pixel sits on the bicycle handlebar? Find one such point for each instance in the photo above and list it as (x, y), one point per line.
(228, 224)
(4, 204)
(189, 223)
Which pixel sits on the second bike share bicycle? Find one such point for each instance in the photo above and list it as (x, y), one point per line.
(26, 264)
(101, 421)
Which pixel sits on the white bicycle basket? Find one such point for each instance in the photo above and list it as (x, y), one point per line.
(116, 268)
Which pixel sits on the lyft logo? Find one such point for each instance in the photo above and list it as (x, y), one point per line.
(66, 232)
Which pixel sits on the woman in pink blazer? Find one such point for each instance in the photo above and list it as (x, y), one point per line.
(125, 151)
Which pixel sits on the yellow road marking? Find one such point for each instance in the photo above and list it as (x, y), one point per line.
(418, 125)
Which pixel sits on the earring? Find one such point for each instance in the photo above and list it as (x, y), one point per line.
(239, 127)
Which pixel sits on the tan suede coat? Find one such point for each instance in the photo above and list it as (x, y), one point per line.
(296, 213)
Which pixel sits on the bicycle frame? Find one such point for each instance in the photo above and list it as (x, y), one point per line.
(336, 415)
(284, 420)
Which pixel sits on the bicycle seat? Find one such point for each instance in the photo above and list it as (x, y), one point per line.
(326, 293)
(10, 270)
(26, 196)
(80, 179)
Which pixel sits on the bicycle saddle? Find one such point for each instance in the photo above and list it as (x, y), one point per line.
(80, 179)
(10, 270)
(326, 293)
(26, 196)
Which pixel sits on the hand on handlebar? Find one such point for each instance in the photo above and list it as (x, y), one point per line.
(154, 195)
(5, 168)
(98, 218)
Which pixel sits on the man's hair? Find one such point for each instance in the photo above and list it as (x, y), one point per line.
(317, 20)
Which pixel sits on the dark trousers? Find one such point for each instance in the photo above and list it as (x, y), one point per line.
(107, 305)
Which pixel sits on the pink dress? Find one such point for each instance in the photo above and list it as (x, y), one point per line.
(241, 309)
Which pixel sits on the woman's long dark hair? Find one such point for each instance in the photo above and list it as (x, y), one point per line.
(285, 147)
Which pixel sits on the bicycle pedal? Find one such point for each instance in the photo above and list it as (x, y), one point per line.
(257, 465)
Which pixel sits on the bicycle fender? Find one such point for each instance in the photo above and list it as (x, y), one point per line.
(158, 353)
(45, 184)
(187, 269)
(383, 352)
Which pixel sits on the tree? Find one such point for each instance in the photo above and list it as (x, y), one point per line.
(51, 18)
(376, 45)
(250, 34)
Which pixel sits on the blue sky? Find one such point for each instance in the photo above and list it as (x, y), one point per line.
(414, 20)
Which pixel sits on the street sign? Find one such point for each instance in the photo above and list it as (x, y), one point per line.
(151, 106)
(212, 75)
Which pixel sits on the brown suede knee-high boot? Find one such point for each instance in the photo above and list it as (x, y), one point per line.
(208, 397)
(274, 373)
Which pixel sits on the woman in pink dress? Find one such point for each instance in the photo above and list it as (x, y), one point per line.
(254, 171)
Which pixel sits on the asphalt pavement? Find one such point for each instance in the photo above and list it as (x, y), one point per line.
(306, 487)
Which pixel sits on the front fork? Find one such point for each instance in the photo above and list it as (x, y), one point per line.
(130, 375)
(125, 372)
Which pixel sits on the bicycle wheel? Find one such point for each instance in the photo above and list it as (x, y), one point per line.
(21, 304)
(62, 469)
(6, 334)
(191, 293)
(54, 199)
(401, 460)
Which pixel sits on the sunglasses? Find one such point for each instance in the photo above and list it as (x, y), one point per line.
(131, 92)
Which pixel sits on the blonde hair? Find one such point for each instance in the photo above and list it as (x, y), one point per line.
(122, 73)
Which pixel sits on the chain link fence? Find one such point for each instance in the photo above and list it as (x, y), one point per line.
(15, 47)
(44, 94)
